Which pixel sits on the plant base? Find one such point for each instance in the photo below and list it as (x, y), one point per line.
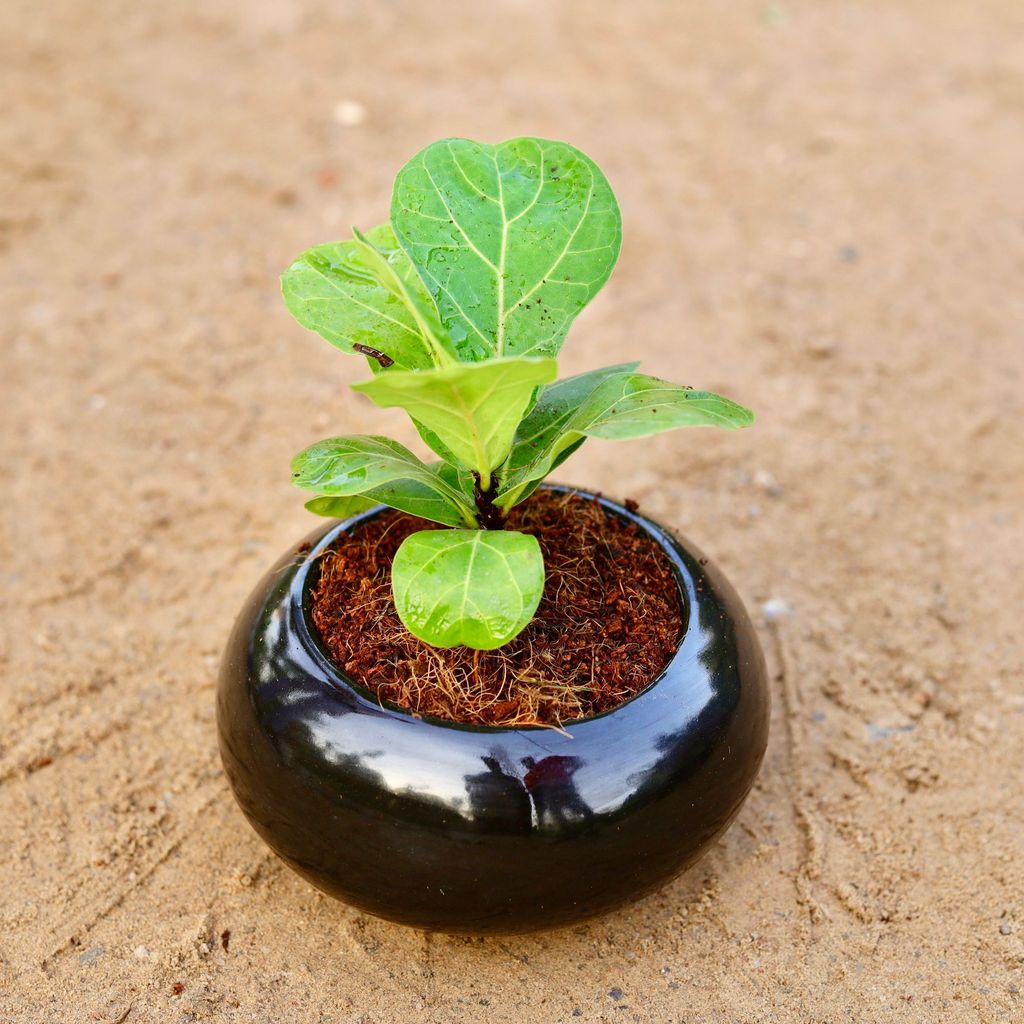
(608, 624)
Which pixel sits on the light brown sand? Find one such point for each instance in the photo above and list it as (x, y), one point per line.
(824, 217)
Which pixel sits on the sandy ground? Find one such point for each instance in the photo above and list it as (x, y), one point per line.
(823, 219)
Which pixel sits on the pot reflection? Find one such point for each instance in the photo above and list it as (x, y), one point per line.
(485, 829)
(498, 798)
(556, 800)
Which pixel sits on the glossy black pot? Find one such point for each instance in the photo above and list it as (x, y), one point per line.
(482, 829)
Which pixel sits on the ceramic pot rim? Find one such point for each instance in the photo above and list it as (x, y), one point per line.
(306, 577)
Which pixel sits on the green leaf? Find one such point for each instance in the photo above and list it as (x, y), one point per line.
(557, 404)
(381, 470)
(406, 286)
(340, 508)
(623, 405)
(332, 290)
(637, 405)
(474, 588)
(457, 478)
(472, 408)
(512, 240)
(434, 443)
(545, 424)
(522, 491)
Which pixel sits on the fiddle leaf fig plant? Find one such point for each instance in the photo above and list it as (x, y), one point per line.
(460, 305)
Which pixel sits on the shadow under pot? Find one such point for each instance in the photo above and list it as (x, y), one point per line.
(485, 829)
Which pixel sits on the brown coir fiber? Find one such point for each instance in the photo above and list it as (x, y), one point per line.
(608, 623)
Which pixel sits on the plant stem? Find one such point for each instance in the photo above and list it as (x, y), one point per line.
(488, 515)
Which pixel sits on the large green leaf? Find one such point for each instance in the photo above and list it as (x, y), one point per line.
(381, 470)
(350, 298)
(474, 588)
(472, 408)
(623, 405)
(512, 240)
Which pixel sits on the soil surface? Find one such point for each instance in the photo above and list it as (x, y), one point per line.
(823, 220)
(608, 623)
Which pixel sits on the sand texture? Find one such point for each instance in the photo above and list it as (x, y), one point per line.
(823, 219)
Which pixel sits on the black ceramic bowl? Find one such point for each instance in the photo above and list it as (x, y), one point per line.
(483, 829)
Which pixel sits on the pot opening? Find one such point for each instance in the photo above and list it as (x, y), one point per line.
(611, 619)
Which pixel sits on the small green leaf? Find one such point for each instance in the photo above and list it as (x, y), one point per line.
(340, 508)
(330, 289)
(380, 469)
(512, 240)
(401, 280)
(623, 405)
(434, 443)
(520, 492)
(457, 478)
(472, 408)
(474, 588)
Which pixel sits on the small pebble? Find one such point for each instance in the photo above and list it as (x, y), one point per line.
(350, 113)
(878, 732)
(615, 993)
(767, 482)
(1004, 928)
(776, 608)
(91, 955)
(141, 952)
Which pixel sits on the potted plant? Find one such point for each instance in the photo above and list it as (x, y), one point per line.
(477, 702)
